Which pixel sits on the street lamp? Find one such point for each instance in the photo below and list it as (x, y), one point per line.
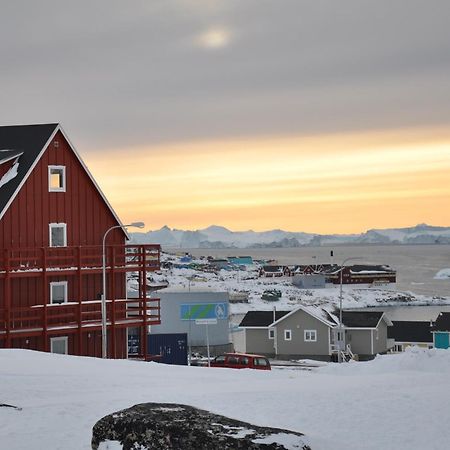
(340, 334)
(104, 337)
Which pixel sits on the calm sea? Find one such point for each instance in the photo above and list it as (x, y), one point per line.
(416, 265)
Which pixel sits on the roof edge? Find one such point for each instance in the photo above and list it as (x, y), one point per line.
(304, 310)
(60, 128)
(30, 170)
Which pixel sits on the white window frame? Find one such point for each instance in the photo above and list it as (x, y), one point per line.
(57, 225)
(310, 335)
(339, 335)
(271, 333)
(65, 339)
(288, 335)
(63, 179)
(58, 283)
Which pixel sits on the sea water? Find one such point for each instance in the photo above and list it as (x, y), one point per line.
(416, 265)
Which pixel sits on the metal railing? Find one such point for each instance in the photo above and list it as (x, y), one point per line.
(60, 317)
(29, 261)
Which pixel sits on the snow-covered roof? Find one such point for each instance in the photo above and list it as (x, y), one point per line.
(10, 174)
(187, 290)
(7, 155)
(314, 311)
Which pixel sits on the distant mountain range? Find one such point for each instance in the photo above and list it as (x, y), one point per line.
(220, 237)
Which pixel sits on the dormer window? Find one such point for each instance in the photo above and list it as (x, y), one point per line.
(56, 178)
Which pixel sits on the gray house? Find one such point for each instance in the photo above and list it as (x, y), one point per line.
(188, 311)
(366, 333)
(309, 281)
(311, 332)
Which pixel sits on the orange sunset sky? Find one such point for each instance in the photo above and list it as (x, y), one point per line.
(337, 183)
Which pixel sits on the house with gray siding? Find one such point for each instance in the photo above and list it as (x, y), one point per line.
(366, 332)
(311, 332)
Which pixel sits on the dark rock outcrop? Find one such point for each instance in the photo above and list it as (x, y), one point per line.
(4, 405)
(164, 426)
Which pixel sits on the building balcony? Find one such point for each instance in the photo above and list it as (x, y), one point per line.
(32, 262)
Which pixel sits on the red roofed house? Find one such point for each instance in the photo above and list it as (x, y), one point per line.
(53, 217)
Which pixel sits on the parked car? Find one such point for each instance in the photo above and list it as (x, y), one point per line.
(241, 361)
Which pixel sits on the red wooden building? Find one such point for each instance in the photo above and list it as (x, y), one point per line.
(53, 217)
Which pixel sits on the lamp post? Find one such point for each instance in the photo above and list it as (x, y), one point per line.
(103, 311)
(340, 334)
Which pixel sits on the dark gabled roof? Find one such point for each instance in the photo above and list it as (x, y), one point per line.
(371, 268)
(261, 318)
(442, 322)
(410, 331)
(361, 319)
(8, 155)
(28, 140)
(273, 268)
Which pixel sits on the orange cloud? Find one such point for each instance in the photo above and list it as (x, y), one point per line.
(337, 183)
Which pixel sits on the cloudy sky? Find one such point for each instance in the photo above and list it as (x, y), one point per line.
(317, 115)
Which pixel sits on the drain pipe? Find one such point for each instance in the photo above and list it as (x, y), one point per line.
(275, 334)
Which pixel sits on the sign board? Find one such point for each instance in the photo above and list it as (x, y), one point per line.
(205, 321)
(194, 311)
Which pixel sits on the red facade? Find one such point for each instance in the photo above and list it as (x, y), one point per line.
(81, 206)
(32, 271)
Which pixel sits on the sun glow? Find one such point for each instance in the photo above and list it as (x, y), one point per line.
(340, 183)
(214, 38)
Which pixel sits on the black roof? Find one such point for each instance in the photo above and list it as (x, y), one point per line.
(7, 155)
(272, 268)
(372, 268)
(442, 322)
(28, 140)
(361, 319)
(261, 318)
(410, 331)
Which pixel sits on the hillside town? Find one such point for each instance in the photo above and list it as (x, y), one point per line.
(224, 225)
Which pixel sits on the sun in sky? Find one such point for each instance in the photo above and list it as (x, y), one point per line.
(327, 117)
(214, 38)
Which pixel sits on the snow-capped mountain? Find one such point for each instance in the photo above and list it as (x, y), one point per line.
(220, 237)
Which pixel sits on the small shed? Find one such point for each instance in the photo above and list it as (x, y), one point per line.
(309, 281)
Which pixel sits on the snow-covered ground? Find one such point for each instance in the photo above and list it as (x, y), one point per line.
(396, 402)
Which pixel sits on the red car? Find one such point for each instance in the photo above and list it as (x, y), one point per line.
(241, 361)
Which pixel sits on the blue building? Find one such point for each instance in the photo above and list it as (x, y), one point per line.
(441, 331)
(240, 260)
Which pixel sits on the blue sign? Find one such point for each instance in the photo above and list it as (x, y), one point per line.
(194, 311)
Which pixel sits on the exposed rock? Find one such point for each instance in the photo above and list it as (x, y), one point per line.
(164, 426)
(4, 405)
